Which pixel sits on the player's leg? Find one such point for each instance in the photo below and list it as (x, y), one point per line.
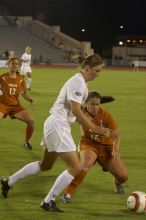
(3, 111)
(58, 138)
(48, 160)
(119, 171)
(62, 181)
(29, 80)
(30, 169)
(1, 115)
(87, 159)
(27, 118)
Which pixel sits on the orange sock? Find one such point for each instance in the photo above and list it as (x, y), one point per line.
(75, 183)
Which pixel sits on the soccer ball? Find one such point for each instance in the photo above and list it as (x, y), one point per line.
(136, 202)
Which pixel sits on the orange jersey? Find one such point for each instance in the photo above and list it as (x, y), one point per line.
(104, 119)
(10, 88)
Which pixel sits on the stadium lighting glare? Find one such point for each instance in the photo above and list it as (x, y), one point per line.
(83, 29)
(128, 41)
(121, 43)
(121, 27)
(141, 41)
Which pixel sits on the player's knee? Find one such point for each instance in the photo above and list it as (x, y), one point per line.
(45, 167)
(123, 177)
(31, 122)
(87, 166)
(75, 170)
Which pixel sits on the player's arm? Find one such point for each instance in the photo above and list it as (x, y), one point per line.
(24, 60)
(27, 98)
(116, 144)
(84, 120)
(116, 140)
(24, 92)
(115, 135)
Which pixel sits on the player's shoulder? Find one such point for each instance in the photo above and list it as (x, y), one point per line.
(20, 78)
(77, 80)
(104, 111)
(4, 74)
(106, 114)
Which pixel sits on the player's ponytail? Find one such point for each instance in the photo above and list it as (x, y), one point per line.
(91, 60)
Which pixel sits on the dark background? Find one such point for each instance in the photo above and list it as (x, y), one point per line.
(101, 19)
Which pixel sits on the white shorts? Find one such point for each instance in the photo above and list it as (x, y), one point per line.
(24, 70)
(57, 135)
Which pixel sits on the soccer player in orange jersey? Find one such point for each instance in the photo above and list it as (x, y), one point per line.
(11, 85)
(100, 148)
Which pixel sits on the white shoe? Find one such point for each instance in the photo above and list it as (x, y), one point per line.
(66, 198)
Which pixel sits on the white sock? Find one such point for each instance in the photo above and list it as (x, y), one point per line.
(62, 181)
(28, 83)
(28, 170)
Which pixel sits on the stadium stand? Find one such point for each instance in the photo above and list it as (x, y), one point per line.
(16, 39)
(49, 45)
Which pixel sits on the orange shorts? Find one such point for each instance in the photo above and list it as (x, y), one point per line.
(103, 153)
(10, 110)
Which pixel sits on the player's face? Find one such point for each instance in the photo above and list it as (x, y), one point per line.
(93, 72)
(14, 65)
(28, 50)
(92, 106)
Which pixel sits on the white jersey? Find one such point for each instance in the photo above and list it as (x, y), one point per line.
(74, 89)
(27, 58)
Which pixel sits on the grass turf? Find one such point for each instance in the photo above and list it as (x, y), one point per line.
(95, 198)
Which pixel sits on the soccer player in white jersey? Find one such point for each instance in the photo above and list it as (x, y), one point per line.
(25, 66)
(57, 139)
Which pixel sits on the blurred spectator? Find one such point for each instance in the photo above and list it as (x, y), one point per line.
(41, 58)
(135, 64)
(6, 54)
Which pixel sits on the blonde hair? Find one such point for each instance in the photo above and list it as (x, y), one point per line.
(91, 60)
(28, 49)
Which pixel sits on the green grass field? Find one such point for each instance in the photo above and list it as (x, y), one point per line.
(95, 198)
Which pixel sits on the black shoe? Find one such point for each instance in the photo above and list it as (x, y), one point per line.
(50, 207)
(5, 187)
(28, 145)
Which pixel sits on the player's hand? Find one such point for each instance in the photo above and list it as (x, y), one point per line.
(102, 131)
(116, 154)
(31, 101)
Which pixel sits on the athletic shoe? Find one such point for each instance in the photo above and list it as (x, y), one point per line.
(119, 189)
(28, 145)
(5, 187)
(66, 198)
(50, 207)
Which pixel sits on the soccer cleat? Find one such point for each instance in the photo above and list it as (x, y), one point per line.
(119, 189)
(50, 207)
(5, 187)
(66, 198)
(28, 145)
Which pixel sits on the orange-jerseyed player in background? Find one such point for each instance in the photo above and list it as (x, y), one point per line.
(11, 86)
(93, 147)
